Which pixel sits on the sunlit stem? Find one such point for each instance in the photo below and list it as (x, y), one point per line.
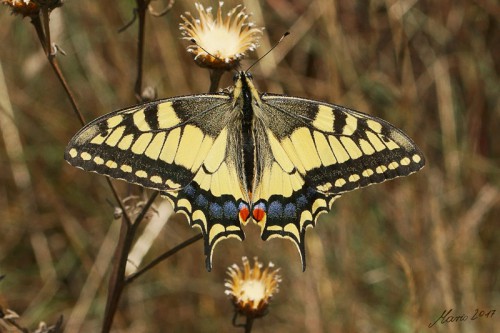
(215, 76)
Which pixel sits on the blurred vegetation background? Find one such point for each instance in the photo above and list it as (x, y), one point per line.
(388, 258)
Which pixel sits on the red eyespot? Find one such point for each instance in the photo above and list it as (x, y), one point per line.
(244, 213)
(258, 214)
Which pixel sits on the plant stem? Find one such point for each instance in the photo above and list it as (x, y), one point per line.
(37, 23)
(128, 229)
(119, 201)
(117, 280)
(249, 324)
(53, 62)
(142, 6)
(215, 76)
(43, 36)
(115, 284)
(46, 28)
(162, 257)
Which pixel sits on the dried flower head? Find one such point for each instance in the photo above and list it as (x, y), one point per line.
(221, 42)
(251, 289)
(31, 7)
(23, 7)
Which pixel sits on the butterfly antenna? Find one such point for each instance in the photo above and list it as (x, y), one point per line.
(201, 47)
(272, 48)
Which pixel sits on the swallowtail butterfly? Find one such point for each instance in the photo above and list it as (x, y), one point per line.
(228, 158)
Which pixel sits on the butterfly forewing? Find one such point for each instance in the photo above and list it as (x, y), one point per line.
(160, 145)
(338, 149)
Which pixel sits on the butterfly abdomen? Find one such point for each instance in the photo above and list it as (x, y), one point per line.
(248, 140)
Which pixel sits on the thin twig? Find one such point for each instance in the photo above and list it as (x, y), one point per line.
(53, 62)
(145, 209)
(51, 56)
(129, 23)
(128, 220)
(117, 281)
(13, 323)
(58, 327)
(162, 257)
(151, 10)
(142, 6)
(162, 12)
(115, 284)
(44, 41)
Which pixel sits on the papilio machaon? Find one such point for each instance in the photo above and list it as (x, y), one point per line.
(227, 158)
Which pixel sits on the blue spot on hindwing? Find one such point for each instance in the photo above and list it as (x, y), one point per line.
(215, 211)
(275, 210)
(301, 202)
(290, 211)
(230, 210)
(311, 192)
(201, 201)
(190, 191)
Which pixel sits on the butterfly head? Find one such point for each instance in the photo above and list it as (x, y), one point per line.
(242, 75)
(244, 88)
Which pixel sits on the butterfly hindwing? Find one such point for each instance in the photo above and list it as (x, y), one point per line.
(214, 199)
(283, 204)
